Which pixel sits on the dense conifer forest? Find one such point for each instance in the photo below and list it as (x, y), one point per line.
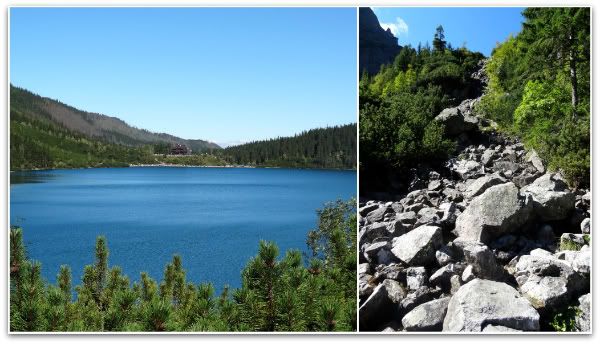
(538, 90)
(315, 291)
(47, 134)
(333, 147)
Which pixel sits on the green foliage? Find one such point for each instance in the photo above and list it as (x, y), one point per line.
(539, 88)
(332, 147)
(398, 105)
(39, 141)
(277, 294)
(565, 320)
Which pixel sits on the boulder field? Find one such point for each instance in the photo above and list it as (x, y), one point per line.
(492, 242)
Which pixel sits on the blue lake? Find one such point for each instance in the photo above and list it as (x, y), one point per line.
(213, 217)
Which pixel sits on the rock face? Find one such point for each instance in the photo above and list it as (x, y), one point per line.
(418, 246)
(427, 317)
(480, 303)
(499, 210)
(376, 45)
(551, 197)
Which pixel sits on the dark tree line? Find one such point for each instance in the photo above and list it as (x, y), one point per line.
(333, 147)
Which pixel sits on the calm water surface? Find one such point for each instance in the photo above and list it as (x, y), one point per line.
(213, 217)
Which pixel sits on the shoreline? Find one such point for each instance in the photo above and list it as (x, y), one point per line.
(187, 166)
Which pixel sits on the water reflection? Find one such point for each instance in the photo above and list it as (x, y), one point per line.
(31, 177)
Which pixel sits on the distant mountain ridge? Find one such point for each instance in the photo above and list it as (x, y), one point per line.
(93, 125)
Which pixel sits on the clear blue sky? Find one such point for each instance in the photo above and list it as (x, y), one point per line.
(479, 27)
(227, 75)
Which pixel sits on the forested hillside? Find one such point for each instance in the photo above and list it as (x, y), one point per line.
(278, 293)
(333, 147)
(48, 134)
(398, 105)
(93, 125)
(539, 88)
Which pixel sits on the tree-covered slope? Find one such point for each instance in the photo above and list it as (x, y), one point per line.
(539, 88)
(332, 147)
(398, 105)
(93, 125)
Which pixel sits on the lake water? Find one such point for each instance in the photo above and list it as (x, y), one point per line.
(212, 217)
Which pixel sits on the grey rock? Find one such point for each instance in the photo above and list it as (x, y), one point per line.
(434, 185)
(483, 183)
(371, 232)
(444, 255)
(499, 329)
(466, 169)
(442, 276)
(407, 218)
(582, 262)
(499, 210)
(468, 274)
(380, 304)
(482, 259)
(480, 303)
(418, 297)
(536, 161)
(428, 216)
(377, 214)
(364, 269)
(372, 250)
(428, 316)
(452, 194)
(391, 271)
(506, 167)
(365, 287)
(488, 157)
(418, 246)
(449, 214)
(548, 283)
(585, 226)
(583, 319)
(416, 277)
(455, 122)
(552, 199)
(367, 209)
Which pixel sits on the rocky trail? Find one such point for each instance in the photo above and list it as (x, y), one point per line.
(492, 242)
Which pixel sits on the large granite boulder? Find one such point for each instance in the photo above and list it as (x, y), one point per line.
(418, 246)
(428, 316)
(499, 210)
(548, 283)
(380, 304)
(552, 199)
(455, 122)
(479, 185)
(481, 303)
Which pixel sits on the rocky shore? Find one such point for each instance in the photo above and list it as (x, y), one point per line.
(492, 242)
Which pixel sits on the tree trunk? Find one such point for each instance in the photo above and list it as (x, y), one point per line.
(573, 74)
